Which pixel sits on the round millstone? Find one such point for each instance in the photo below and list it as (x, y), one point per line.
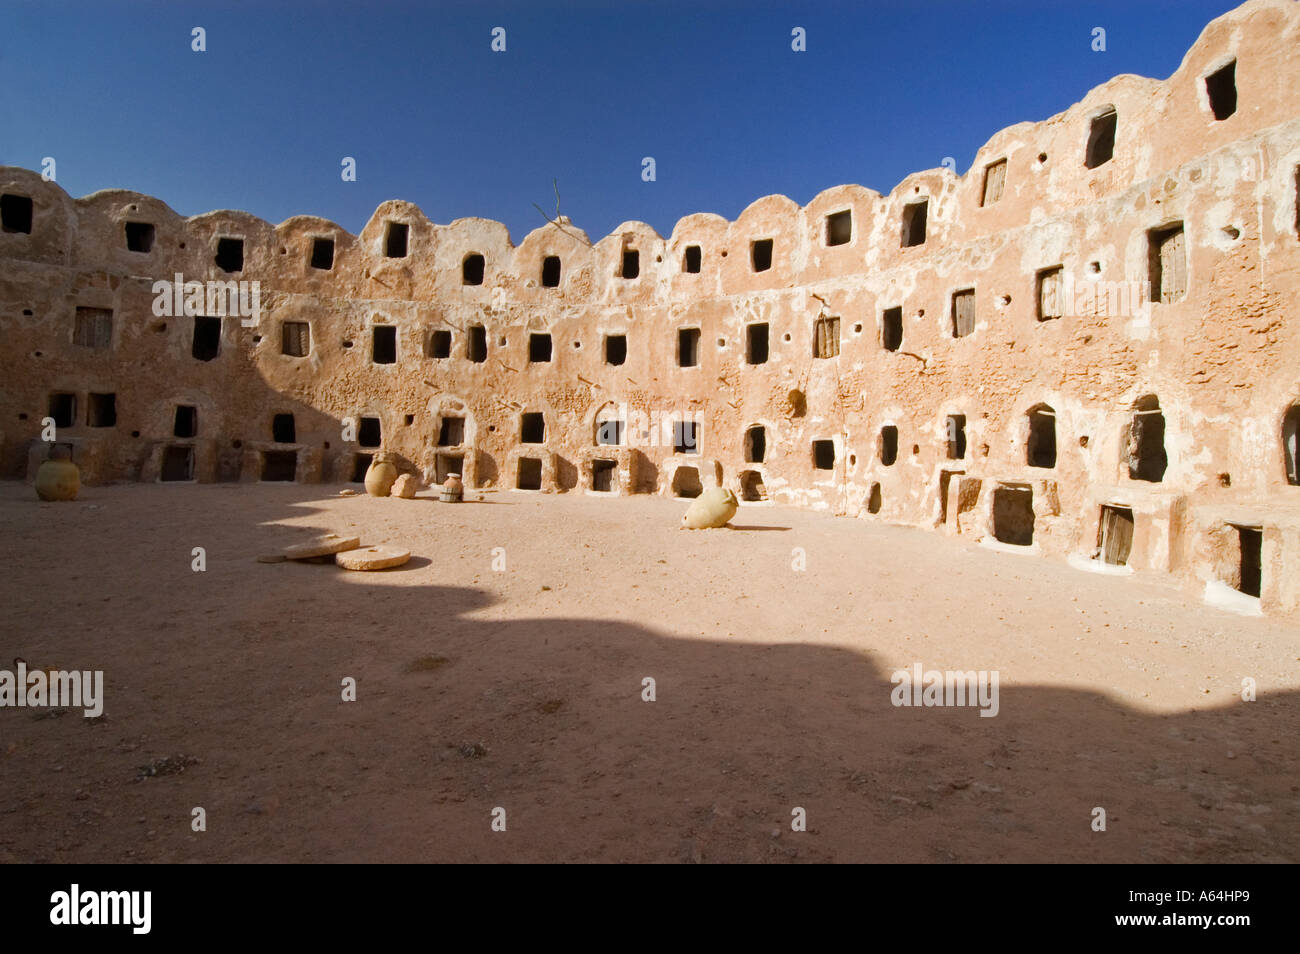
(372, 558)
(322, 546)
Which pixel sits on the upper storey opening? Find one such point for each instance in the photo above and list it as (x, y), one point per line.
(1101, 139)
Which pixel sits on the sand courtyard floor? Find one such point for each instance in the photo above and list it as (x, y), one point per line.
(504, 668)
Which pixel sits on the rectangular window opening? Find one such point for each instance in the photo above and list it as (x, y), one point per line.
(615, 349)
(691, 259)
(207, 338)
(93, 328)
(101, 410)
(471, 270)
(279, 466)
(1221, 87)
(888, 445)
(1013, 514)
(186, 422)
(440, 344)
(322, 253)
(839, 228)
(963, 313)
(1115, 535)
(826, 337)
(1051, 293)
(16, 214)
(383, 344)
(823, 455)
(603, 474)
(139, 236)
(551, 271)
(686, 483)
(230, 254)
(995, 177)
(532, 428)
(751, 486)
(1249, 568)
(295, 339)
(630, 267)
(530, 474)
(686, 437)
(609, 433)
(1101, 139)
(451, 433)
(177, 463)
(756, 343)
(891, 329)
(283, 429)
(956, 436)
(447, 464)
(395, 238)
(914, 218)
(688, 347)
(539, 348)
(369, 432)
(361, 464)
(1167, 263)
(760, 254)
(476, 344)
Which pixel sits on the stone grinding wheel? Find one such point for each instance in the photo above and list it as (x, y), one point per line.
(325, 545)
(372, 558)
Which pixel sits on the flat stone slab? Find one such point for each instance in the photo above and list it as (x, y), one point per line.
(324, 545)
(272, 558)
(372, 558)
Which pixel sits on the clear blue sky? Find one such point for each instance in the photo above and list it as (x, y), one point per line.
(711, 90)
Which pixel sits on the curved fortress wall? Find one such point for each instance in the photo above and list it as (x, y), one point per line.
(1085, 346)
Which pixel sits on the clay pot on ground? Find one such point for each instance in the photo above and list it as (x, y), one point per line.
(58, 478)
(711, 509)
(380, 477)
(452, 489)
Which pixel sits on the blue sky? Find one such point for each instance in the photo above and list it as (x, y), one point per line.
(584, 91)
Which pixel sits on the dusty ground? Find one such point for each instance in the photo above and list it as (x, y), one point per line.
(772, 690)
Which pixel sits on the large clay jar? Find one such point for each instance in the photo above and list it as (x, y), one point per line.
(380, 477)
(58, 477)
(452, 489)
(711, 509)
